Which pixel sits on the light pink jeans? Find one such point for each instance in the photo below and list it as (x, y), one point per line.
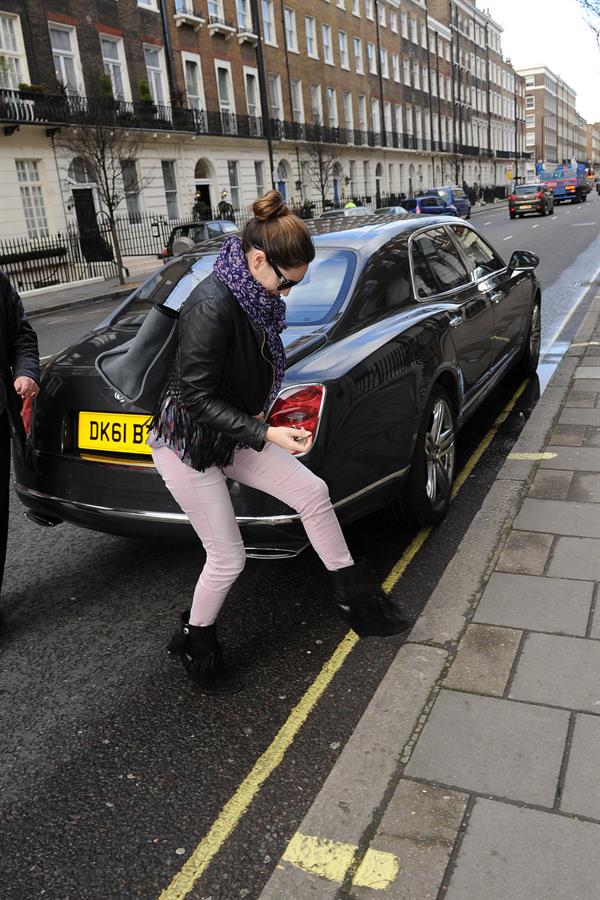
(205, 499)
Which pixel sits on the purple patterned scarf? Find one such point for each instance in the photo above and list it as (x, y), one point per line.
(263, 309)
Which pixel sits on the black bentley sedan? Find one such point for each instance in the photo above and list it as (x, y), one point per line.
(395, 337)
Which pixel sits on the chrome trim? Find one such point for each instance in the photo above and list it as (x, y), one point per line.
(181, 518)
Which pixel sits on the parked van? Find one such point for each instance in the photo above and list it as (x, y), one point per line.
(455, 196)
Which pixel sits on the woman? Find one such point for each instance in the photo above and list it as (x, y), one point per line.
(211, 426)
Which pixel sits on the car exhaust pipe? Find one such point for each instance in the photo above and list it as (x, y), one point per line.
(45, 521)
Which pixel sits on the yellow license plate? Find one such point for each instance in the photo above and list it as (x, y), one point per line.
(526, 206)
(113, 432)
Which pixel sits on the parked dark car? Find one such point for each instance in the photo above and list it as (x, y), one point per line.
(196, 232)
(454, 195)
(395, 337)
(531, 198)
(391, 211)
(429, 205)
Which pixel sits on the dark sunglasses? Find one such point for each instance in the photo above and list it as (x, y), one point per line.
(284, 283)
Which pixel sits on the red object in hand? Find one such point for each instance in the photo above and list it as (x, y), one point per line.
(26, 411)
(298, 409)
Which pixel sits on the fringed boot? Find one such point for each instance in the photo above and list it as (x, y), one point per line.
(202, 658)
(366, 608)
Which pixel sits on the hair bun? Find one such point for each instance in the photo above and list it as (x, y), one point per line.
(270, 206)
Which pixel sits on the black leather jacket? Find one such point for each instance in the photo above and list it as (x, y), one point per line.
(221, 378)
(18, 355)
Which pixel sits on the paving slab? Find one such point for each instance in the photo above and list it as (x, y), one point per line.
(575, 558)
(592, 438)
(559, 671)
(585, 487)
(525, 552)
(567, 517)
(512, 853)
(420, 828)
(580, 401)
(586, 384)
(580, 417)
(587, 371)
(484, 660)
(492, 746)
(581, 790)
(536, 603)
(568, 438)
(551, 484)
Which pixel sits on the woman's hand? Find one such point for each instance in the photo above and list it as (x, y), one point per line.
(294, 440)
(26, 387)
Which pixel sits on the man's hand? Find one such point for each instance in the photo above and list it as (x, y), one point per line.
(26, 387)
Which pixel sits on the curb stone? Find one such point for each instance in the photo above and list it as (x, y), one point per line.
(440, 626)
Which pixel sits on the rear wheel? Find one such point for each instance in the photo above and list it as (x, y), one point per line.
(530, 357)
(428, 488)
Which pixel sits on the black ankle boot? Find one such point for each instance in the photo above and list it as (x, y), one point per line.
(202, 657)
(366, 608)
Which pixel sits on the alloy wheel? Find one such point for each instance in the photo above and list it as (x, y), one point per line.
(535, 332)
(440, 440)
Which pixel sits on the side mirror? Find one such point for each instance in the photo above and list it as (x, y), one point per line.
(524, 260)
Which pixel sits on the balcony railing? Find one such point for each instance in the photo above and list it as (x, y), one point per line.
(32, 108)
(186, 14)
(218, 25)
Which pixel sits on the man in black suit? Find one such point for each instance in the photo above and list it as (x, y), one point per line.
(19, 379)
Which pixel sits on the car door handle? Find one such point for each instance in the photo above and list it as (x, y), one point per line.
(455, 321)
(496, 296)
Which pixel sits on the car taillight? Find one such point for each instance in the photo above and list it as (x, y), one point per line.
(26, 414)
(418, 211)
(512, 197)
(298, 408)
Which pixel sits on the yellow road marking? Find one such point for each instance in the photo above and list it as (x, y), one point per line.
(544, 455)
(332, 859)
(227, 820)
(236, 806)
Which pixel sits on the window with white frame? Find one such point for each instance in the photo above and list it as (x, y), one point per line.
(530, 121)
(32, 198)
(383, 60)
(424, 78)
(259, 174)
(381, 9)
(530, 139)
(423, 29)
(356, 8)
(316, 103)
(192, 73)
(358, 56)
(311, 37)
(148, 4)
(413, 30)
(393, 21)
(113, 60)
(398, 118)
(408, 118)
(387, 116)
(530, 101)
(404, 24)
(375, 115)
(268, 18)
(234, 182)
(332, 110)
(371, 61)
(369, 9)
(341, 4)
(131, 187)
(416, 75)
(448, 88)
(327, 47)
(366, 175)
(215, 9)
(252, 94)
(244, 16)
(274, 83)
(297, 100)
(170, 185)
(442, 91)
(363, 123)
(348, 111)
(395, 67)
(65, 55)
(530, 81)
(343, 44)
(432, 82)
(291, 37)
(13, 70)
(153, 58)
(224, 88)
(406, 70)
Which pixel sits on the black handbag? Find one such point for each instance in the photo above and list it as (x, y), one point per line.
(138, 369)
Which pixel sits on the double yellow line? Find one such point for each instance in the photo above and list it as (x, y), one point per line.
(227, 820)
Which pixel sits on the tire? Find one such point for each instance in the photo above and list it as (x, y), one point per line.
(511, 215)
(428, 487)
(521, 215)
(529, 359)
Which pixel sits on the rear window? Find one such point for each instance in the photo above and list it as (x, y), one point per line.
(458, 192)
(527, 188)
(410, 203)
(443, 193)
(316, 299)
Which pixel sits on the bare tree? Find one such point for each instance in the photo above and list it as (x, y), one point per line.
(110, 153)
(322, 158)
(591, 9)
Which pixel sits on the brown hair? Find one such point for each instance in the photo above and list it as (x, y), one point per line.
(275, 229)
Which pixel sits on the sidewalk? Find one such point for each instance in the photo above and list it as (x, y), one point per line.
(474, 773)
